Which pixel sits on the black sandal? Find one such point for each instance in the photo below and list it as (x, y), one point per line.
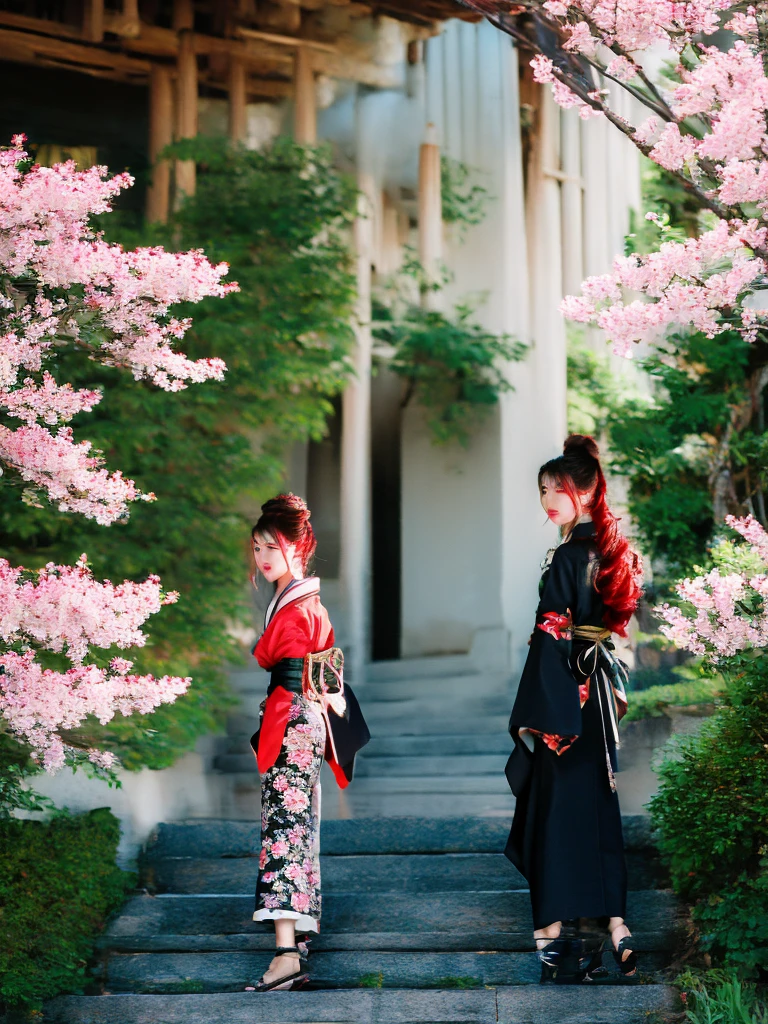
(625, 954)
(559, 959)
(292, 980)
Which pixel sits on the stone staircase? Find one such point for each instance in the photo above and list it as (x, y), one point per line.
(424, 920)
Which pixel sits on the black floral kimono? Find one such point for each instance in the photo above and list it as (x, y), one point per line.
(566, 836)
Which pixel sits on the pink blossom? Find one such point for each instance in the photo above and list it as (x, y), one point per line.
(673, 150)
(300, 902)
(280, 783)
(295, 800)
(581, 40)
(296, 834)
(622, 68)
(269, 876)
(271, 901)
(279, 849)
(301, 758)
(262, 859)
(295, 873)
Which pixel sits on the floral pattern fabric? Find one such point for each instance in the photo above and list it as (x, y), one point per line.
(289, 862)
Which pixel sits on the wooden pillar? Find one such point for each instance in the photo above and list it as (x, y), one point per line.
(160, 136)
(430, 214)
(186, 92)
(93, 21)
(305, 111)
(238, 121)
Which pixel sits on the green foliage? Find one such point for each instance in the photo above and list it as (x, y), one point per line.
(594, 390)
(679, 214)
(712, 813)
(453, 367)
(212, 453)
(717, 997)
(58, 886)
(654, 701)
(463, 200)
(670, 445)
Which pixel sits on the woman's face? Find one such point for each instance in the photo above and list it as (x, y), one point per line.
(270, 560)
(556, 503)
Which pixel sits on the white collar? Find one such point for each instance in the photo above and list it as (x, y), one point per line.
(295, 590)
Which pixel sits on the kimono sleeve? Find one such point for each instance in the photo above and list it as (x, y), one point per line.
(548, 699)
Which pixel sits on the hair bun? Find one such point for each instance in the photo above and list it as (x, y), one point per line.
(290, 506)
(581, 444)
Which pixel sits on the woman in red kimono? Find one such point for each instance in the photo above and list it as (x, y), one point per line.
(308, 715)
(566, 835)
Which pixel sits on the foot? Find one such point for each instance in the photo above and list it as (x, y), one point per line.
(623, 951)
(282, 966)
(543, 936)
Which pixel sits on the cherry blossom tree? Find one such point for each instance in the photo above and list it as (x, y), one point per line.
(63, 287)
(709, 130)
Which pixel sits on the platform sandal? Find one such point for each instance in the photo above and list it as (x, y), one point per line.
(560, 960)
(292, 981)
(591, 963)
(625, 954)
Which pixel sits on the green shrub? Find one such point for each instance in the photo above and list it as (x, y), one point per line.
(653, 701)
(716, 997)
(58, 885)
(712, 813)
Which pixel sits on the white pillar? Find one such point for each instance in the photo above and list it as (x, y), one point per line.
(571, 201)
(430, 215)
(355, 451)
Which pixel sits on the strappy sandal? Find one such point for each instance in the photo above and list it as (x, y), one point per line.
(292, 980)
(625, 953)
(559, 958)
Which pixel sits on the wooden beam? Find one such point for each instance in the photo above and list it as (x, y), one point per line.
(430, 215)
(281, 40)
(238, 115)
(160, 136)
(26, 48)
(93, 21)
(42, 26)
(305, 108)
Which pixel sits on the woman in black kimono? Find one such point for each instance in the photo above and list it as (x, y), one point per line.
(566, 836)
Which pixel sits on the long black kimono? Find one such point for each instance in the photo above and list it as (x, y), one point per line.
(566, 836)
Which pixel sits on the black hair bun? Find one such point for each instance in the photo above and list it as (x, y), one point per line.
(579, 445)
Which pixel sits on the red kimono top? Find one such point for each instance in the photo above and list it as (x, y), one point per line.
(297, 627)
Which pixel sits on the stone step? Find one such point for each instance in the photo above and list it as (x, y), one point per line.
(420, 668)
(222, 838)
(648, 912)
(486, 726)
(460, 744)
(659, 943)
(443, 872)
(385, 767)
(230, 972)
(508, 1005)
(445, 688)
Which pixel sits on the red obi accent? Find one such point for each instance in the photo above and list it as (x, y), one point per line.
(557, 625)
(559, 744)
(584, 693)
(298, 629)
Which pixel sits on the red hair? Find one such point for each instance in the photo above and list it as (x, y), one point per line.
(286, 518)
(578, 470)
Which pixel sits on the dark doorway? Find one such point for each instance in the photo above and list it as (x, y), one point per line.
(324, 495)
(386, 501)
(71, 109)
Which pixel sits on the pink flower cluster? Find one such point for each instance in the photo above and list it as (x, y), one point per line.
(86, 292)
(720, 623)
(38, 703)
(699, 283)
(62, 608)
(640, 24)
